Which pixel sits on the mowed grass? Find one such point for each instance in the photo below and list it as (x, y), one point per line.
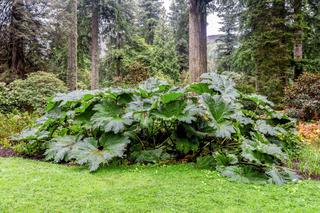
(31, 186)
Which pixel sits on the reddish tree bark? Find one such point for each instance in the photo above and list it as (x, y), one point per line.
(72, 50)
(197, 39)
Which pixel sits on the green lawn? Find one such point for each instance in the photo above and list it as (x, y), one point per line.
(31, 186)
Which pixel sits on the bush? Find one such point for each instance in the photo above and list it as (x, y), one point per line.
(136, 73)
(30, 94)
(303, 97)
(157, 121)
(4, 101)
(310, 132)
(12, 124)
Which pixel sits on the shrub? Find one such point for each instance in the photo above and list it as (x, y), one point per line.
(12, 124)
(4, 102)
(303, 97)
(136, 73)
(32, 93)
(157, 121)
(310, 132)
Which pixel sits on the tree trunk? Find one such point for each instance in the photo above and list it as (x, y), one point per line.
(197, 39)
(16, 43)
(119, 43)
(119, 58)
(94, 44)
(297, 37)
(72, 50)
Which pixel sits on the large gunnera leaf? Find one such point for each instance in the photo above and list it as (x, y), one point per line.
(279, 175)
(171, 96)
(27, 135)
(243, 173)
(259, 100)
(139, 110)
(261, 152)
(151, 156)
(109, 117)
(89, 152)
(222, 84)
(181, 110)
(199, 88)
(219, 113)
(59, 149)
(152, 86)
(114, 144)
(63, 99)
(264, 128)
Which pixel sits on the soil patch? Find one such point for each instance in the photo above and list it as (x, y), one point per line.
(6, 152)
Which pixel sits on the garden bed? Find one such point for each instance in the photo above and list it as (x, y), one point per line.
(7, 152)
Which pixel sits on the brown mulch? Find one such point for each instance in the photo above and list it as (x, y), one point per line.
(6, 152)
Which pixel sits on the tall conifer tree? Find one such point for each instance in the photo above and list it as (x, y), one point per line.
(179, 20)
(73, 44)
(150, 11)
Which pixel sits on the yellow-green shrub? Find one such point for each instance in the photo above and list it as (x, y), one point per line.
(12, 124)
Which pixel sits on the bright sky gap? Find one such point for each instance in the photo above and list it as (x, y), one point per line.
(213, 20)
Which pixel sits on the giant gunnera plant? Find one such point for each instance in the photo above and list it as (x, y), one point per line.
(209, 123)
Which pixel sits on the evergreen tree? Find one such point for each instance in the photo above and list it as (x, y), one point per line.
(306, 31)
(228, 13)
(266, 43)
(118, 30)
(23, 37)
(309, 22)
(150, 11)
(179, 21)
(278, 41)
(164, 57)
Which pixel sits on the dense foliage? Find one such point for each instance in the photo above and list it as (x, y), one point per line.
(23, 37)
(272, 40)
(31, 93)
(209, 122)
(179, 21)
(310, 132)
(11, 124)
(303, 97)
